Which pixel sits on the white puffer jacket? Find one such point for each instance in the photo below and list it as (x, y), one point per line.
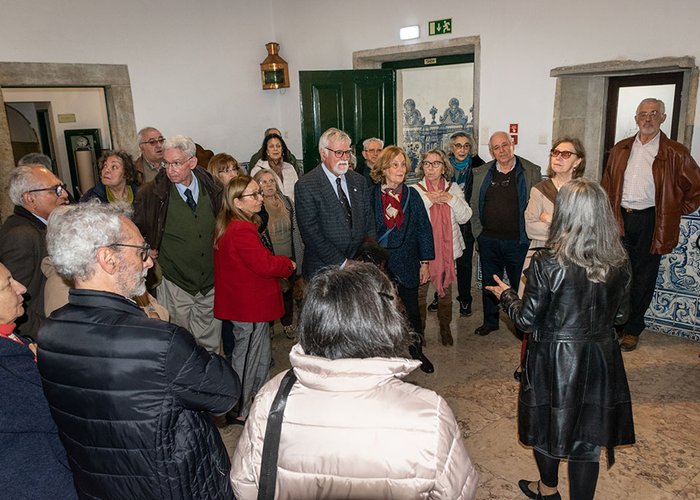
(353, 429)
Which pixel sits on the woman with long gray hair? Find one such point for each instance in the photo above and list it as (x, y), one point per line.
(352, 428)
(574, 398)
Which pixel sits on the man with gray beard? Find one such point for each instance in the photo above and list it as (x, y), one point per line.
(332, 204)
(129, 394)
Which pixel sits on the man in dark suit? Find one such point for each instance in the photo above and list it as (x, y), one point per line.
(332, 203)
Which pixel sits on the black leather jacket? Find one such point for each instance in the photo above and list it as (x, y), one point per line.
(574, 388)
(561, 304)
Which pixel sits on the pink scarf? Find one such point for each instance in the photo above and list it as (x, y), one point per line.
(442, 268)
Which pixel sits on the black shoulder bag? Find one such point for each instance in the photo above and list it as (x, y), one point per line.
(271, 444)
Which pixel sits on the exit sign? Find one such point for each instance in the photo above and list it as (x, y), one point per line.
(440, 27)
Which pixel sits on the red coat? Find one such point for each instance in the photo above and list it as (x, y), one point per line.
(246, 276)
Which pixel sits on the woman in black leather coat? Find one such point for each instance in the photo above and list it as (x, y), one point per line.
(574, 398)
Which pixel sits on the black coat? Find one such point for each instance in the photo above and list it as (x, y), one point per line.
(130, 397)
(32, 459)
(410, 244)
(574, 386)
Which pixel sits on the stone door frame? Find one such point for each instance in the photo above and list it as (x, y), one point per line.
(114, 78)
(581, 98)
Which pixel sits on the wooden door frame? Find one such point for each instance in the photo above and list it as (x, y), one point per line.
(615, 83)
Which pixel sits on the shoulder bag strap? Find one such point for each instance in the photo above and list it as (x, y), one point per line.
(268, 466)
(548, 189)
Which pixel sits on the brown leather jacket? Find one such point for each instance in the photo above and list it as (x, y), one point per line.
(151, 203)
(677, 180)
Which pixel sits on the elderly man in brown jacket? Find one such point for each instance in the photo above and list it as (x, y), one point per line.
(651, 181)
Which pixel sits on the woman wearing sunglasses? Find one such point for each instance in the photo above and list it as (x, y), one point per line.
(246, 280)
(567, 160)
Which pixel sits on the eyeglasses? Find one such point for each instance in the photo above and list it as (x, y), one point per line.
(433, 164)
(176, 163)
(339, 153)
(651, 114)
(256, 194)
(153, 142)
(504, 183)
(564, 154)
(466, 145)
(144, 249)
(373, 151)
(59, 189)
(228, 170)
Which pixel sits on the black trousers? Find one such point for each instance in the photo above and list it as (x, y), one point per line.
(464, 266)
(639, 230)
(409, 297)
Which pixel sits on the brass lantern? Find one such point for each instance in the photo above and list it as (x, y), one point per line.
(274, 70)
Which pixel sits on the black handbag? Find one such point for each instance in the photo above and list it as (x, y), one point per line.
(271, 444)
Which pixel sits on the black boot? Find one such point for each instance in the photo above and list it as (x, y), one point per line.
(416, 352)
(432, 307)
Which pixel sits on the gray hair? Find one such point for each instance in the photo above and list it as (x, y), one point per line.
(333, 134)
(584, 231)
(467, 136)
(449, 172)
(652, 100)
(75, 232)
(22, 180)
(365, 143)
(268, 131)
(35, 159)
(499, 132)
(352, 313)
(181, 142)
(142, 132)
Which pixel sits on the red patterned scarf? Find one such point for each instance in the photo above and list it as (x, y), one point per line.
(391, 203)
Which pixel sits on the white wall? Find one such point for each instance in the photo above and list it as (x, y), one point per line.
(521, 41)
(194, 66)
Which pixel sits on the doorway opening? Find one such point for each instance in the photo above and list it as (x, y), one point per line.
(112, 78)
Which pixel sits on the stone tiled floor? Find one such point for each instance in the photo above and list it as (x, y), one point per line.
(476, 378)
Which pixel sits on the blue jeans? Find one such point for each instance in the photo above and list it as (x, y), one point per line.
(495, 257)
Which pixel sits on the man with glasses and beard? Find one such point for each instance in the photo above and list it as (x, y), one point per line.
(129, 394)
(333, 210)
(651, 181)
(36, 192)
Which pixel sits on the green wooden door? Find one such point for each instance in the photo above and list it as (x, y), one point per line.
(360, 102)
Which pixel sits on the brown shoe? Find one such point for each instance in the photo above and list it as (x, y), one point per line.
(629, 343)
(446, 337)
